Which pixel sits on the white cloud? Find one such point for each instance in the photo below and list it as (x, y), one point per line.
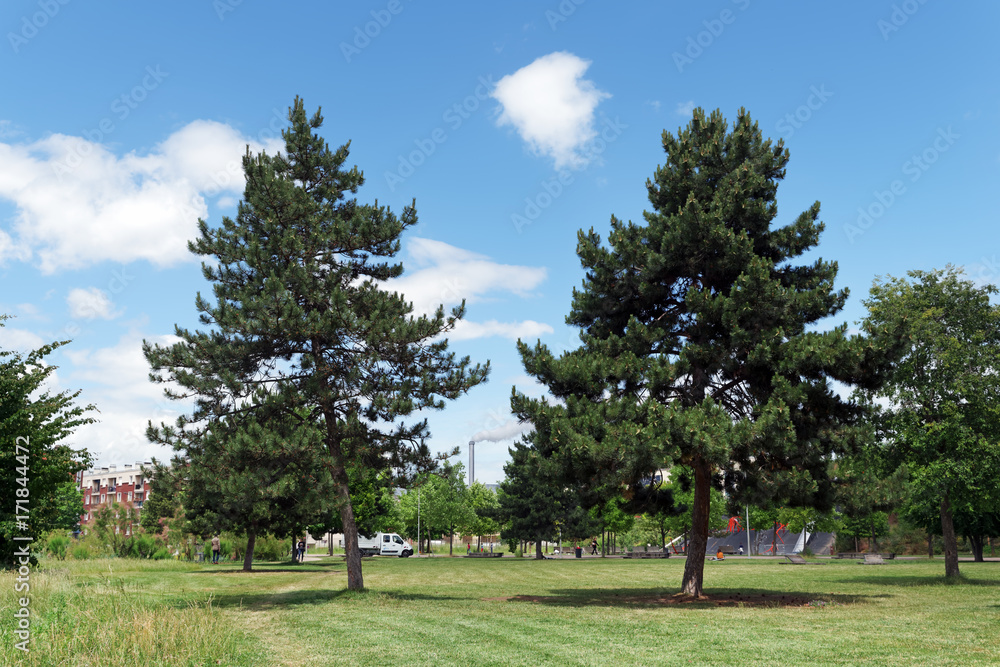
(685, 108)
(90, 304)
(446, 274)
(528, 330)
(551, 106)
(8, 130)
(655, 104)
(19, 340)
(79, 204)
(116, 382)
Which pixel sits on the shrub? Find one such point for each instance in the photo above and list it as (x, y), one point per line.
(145, 546)
(268, 547)
(57, 545)
(80, 552)
(161, 554)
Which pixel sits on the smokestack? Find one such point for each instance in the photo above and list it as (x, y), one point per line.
(472, 462)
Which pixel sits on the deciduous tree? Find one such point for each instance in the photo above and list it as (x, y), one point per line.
(942, 417)
(35, 463)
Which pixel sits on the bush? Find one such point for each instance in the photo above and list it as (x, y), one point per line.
(57, 545)
(268, 547)
(145, 546)
(161, 554)
(80, 552)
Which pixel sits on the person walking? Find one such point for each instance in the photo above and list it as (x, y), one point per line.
(302, 550)
(216, 548)
(593, 547)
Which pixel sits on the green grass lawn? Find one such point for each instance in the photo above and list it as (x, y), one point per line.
(508, 611)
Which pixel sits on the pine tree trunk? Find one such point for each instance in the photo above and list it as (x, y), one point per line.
(538, 550)
(355, 580)
(248, 556)
(451, 540)
(694, 565)
(930, 545)
(950, 542)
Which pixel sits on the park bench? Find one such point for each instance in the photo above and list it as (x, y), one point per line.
(873, 559)
(642, 552)
(476, 554)
(859, 555)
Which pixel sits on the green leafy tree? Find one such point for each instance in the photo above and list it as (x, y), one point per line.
(681, 521)
(485, 506)
(35, 465)
(869, 489)
(614, 518)
(435, 505)
(700, 348)
(943, 415)
(973, 521)
(450, 507)
(301, 315)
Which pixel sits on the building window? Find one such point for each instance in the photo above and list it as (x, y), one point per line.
(130, 496)
(103, 498)
(119, 496)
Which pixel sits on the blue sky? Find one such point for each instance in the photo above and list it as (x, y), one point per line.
(513, 125)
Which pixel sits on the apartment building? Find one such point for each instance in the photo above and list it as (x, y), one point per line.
(125, 484)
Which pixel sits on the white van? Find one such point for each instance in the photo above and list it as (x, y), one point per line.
(384, 544)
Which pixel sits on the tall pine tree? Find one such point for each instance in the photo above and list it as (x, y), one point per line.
(698, 342)
(301, 319)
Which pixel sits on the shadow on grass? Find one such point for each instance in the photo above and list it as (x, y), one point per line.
(634, 598)
(916, 580)
(265, 568)
(262, 601)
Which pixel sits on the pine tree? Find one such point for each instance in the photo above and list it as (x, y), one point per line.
(301, 319)
(535, 503)
(698, 341)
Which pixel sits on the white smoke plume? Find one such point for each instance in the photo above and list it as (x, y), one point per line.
(506, 431)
